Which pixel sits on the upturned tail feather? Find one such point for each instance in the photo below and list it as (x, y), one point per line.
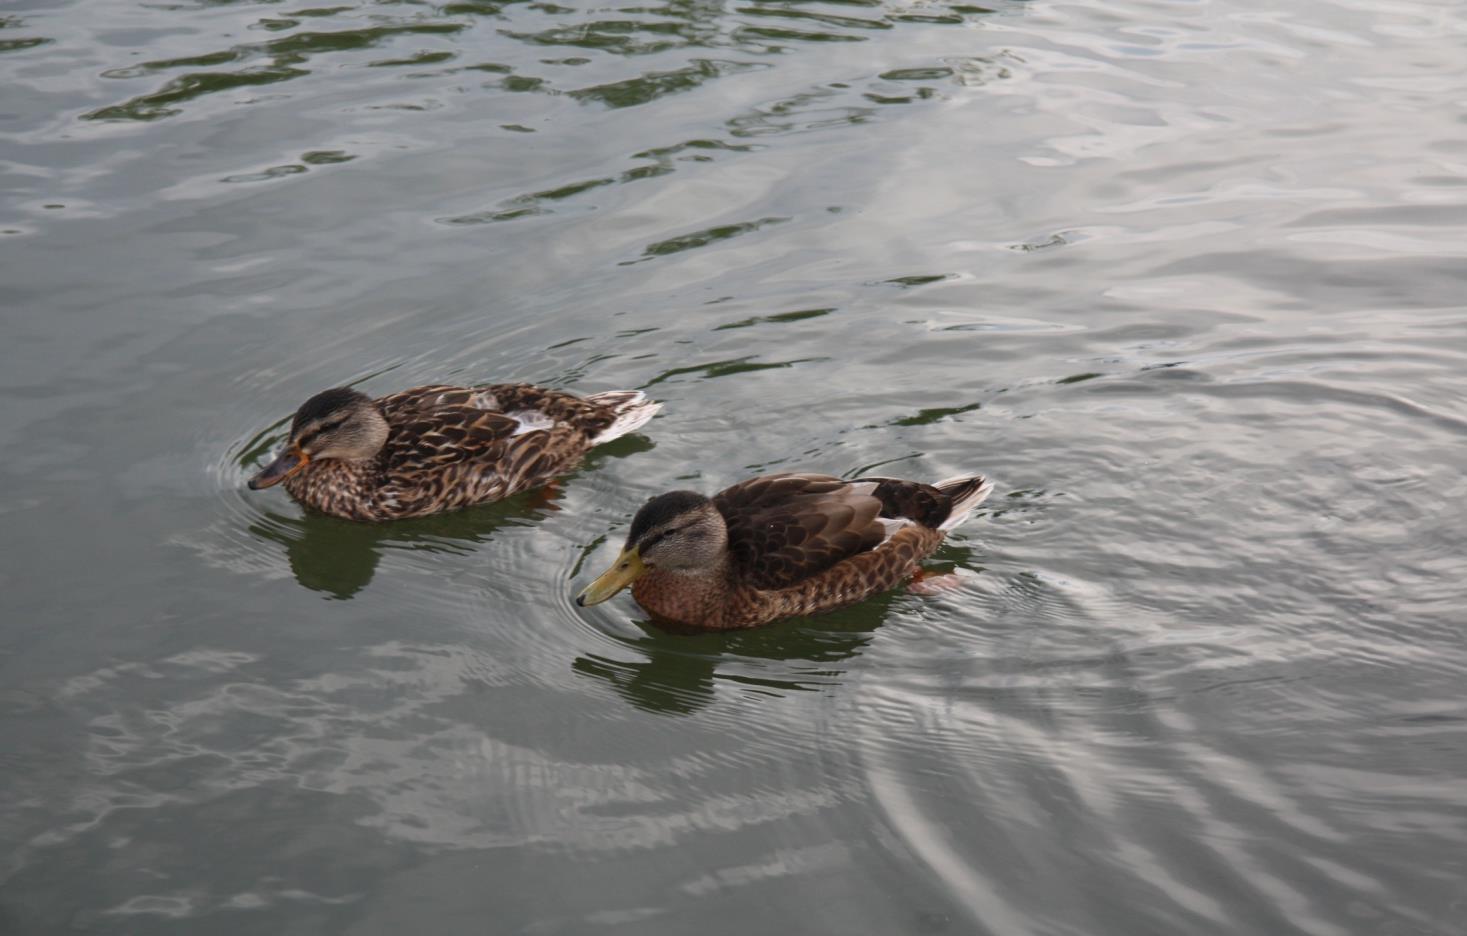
(632, 409)
(967, 492)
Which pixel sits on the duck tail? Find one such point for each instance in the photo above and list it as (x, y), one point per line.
(632, 409)
(967, 492)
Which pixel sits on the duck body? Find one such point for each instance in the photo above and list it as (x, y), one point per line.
(437, 448)
(781, 545)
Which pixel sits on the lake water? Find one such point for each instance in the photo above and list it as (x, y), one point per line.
(1187, 279)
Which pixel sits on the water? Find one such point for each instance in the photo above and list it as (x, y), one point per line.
(1187, 279)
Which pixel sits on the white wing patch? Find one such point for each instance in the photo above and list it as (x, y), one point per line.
(530, 421)
(890, 527)
(485, 400)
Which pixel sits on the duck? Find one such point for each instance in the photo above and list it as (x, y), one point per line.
(437, 448)
(781, 545)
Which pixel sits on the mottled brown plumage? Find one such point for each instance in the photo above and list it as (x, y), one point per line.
(781, 545)
(437, 448)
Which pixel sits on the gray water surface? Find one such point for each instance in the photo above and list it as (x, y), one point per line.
(1187, 279)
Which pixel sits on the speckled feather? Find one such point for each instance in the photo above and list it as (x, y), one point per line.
(805, 544)
(450, 447)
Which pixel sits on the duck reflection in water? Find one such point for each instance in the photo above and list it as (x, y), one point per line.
(680, 669)
(339, 557)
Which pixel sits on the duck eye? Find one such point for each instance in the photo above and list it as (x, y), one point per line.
(661, 536)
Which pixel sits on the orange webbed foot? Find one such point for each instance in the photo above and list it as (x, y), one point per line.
(545, 496)
(929, 584)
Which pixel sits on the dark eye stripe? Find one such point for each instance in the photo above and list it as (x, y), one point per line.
(324, 427)
(663, 535)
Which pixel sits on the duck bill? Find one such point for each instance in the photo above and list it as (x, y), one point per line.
(624, 571)
(287, 464)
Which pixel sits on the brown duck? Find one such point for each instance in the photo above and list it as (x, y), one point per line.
(437, 448)
(781, 545)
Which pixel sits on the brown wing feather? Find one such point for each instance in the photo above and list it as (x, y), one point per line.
(440, 425)
(588, 416)
(398, 405)
(912, 500)
(785, 528)
(448, 435)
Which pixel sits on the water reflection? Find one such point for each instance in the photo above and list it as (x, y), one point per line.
(665, 683)
(294, 47)
(339, 557)
(678, 669)
(1210, 681)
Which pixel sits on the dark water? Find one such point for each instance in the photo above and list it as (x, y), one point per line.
(1188, 279)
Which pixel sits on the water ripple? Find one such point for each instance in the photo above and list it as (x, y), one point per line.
(1185, 279)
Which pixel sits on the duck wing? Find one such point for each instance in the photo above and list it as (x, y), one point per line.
(424, 439)
(521, 434)
(404, 403)
(785, 528)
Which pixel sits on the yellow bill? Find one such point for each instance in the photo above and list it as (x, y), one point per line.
(624, 571)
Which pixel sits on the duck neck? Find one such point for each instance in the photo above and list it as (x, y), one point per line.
(322, 482)
(695, 597)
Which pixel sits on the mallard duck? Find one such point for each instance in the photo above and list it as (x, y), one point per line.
(781, 545)
(438, 448)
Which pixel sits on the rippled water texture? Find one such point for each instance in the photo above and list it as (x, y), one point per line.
(1188, 279)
